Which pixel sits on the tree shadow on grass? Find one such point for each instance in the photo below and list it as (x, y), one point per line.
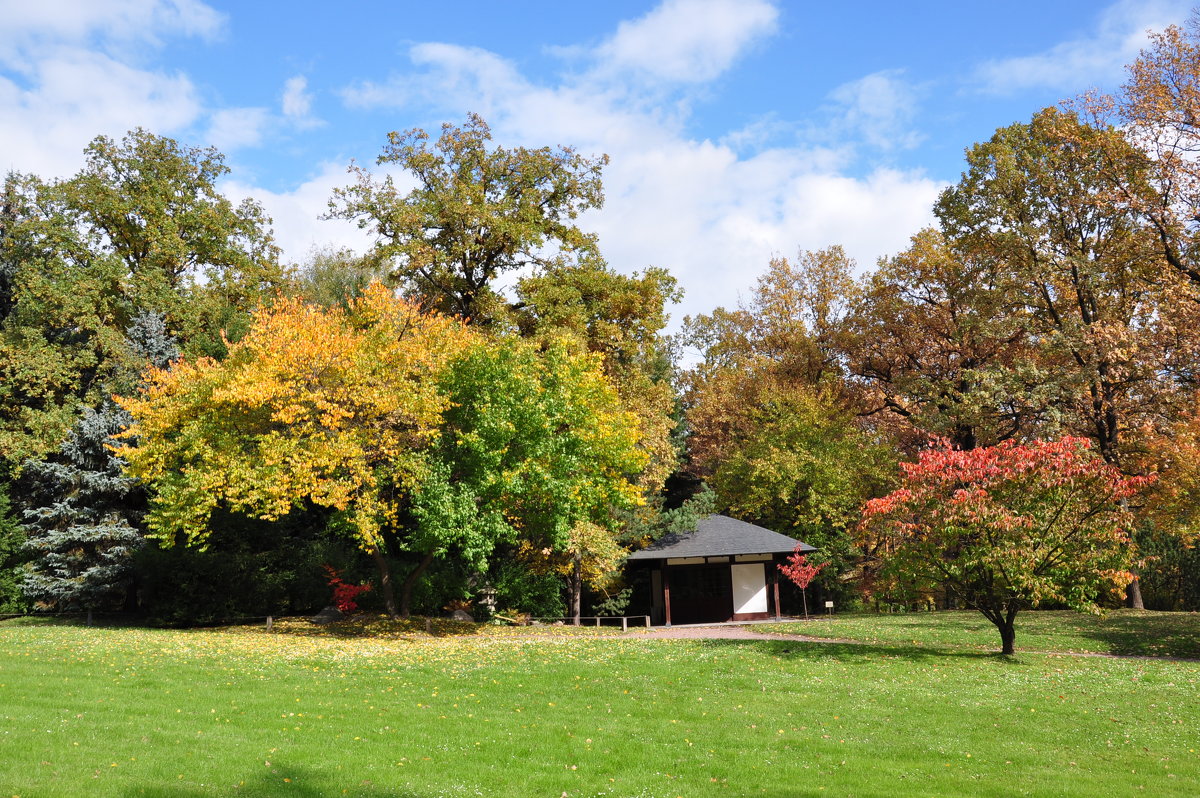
(1122, 632)
(300, 783)
(369, 627)
(72, 619)
(861, 652)
(1146, 634)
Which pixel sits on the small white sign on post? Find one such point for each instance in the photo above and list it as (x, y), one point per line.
(829, 607)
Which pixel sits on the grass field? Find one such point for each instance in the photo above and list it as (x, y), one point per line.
(1123, 632)
(242, 711)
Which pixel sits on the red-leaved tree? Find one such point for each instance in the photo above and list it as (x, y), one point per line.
(1006, 527)
(801, 572)
(344, 593)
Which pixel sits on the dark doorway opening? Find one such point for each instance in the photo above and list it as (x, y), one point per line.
(701, 593)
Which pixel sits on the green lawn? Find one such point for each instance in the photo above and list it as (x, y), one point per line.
(128, 712)
(1136, 632)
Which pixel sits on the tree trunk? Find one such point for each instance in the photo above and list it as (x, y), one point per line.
(575, 589)
(410, 580)
(131, 598)
(804, 598)
(1004, 618)
(385, 582)
(1008, 636)
(1133, 592)
(1133, 595)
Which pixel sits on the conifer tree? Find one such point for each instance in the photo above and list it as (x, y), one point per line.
(11, 557)
(83, 513)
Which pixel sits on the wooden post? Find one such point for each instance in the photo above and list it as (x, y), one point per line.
(666, 594)
(775, 586)
(624, 623)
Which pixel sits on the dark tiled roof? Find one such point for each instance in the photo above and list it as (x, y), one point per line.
(719, 536)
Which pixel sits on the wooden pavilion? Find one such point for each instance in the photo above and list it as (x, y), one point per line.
(723, 571)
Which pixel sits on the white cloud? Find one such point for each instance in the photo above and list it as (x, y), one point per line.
(30, 25)
(77, 95)
(296, 102)
(879, 110)
(1089, 60)
(715, 219)
(457, 72)
(687, 41)
(69, 71)
(680, 42)
(233, 128)
(714, 213)
(295, 214)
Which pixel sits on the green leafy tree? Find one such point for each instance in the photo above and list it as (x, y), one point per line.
(621, 318)
(336, 277)
(409, 425)
(678, 520)
(1158, 109)
(771, 424)
(536, 450)
(477, 213)
(1040, 199)
(784, 335)
(141, 227)
(1049, 200)
(1006, 527)
(804, 468)
(792, 322)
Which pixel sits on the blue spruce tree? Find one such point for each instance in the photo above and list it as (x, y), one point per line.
(12, 557)
(83, 513)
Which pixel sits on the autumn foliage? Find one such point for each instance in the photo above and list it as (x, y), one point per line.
(1005, 527)
(314, 405)
(801, 572)
(344, 593)
(398, 421)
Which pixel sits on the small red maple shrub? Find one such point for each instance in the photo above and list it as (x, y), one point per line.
(801, 572)
(344, 593)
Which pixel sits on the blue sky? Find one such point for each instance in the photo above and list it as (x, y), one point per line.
(738, 129)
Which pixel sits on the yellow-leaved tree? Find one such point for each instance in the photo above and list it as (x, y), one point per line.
(331, 407)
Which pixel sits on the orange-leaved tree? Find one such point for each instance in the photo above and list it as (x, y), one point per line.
(1006, 527)
(325, 406)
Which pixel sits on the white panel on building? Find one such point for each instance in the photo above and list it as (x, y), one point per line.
(749, 587)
